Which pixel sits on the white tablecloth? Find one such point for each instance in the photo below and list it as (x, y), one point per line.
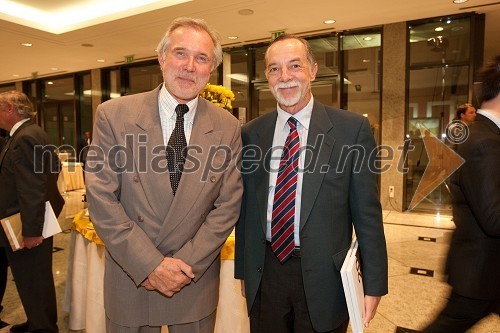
(71, 177)
(83, 297)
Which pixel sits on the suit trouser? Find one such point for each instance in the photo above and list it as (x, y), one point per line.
(4, 264)
(205, 325)
(32, 271)
(280, 305)
(461, 313)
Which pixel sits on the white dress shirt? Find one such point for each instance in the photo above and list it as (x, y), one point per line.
(280, 134)
(167, 104)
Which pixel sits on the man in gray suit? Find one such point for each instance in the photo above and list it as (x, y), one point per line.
(165, 220)
(299, 206)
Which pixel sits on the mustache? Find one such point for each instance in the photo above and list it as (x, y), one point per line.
(284, 85)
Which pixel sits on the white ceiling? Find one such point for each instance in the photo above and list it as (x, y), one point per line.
(137, 31)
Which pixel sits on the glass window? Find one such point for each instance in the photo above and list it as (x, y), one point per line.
(442, 41)
(362, 76)
(58, 108)
(438, 82)
(85, 106)
(236, 79)
(144, 78)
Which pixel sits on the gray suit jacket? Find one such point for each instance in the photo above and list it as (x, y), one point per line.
(141, 222)
(338, 191)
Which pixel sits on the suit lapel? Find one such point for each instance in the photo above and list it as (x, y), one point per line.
(320, 145)
(264, 142)
(204, 139)
(7, 144)
(146, 132)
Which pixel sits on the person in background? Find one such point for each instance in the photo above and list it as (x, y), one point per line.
(164, 228)
(466, 113)
(473, 260)
(25, 191)
(83, 147)
(299, 208)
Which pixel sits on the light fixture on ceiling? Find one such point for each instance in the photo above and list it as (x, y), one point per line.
(245, 12)
(459, 1)
(15, 75)
(232, 37)
(27, 44)
(439, 29)
(448, 21)
(50, 82)
(329, 21)
(368, 38)
(366, 60)
(100, 60)
(54, 69)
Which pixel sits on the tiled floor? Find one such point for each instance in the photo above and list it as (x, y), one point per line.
(413, 299)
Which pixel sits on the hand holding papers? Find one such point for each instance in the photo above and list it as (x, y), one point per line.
(13, 227)
(352, 280)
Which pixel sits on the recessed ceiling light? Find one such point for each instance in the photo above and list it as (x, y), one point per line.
(439, 29)
(50, 82)
(448, 21)
(459, 1)
(366, 60)
(232, 37)
(329, 21)
(27, 44)
(245, 12)
(15, 75)
(368, 38)
(100, 60)
(54, 68)
(87, 45)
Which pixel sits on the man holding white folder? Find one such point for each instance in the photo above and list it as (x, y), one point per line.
(28, 178)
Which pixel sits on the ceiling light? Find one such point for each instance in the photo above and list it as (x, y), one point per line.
(54, 69)
(459, 1)
(50, 82)
(448, 21)
(366, 60)
(15, 75)
(232, 37)
(100, 60)
(329, 21)
(368, 38)
(27, 44)
(245, 12)
(439, 29)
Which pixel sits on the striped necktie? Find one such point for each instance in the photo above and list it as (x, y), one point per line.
(176, 150)
(282, 223)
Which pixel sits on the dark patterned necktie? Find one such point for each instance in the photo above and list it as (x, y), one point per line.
(176, 150)
(282, 223)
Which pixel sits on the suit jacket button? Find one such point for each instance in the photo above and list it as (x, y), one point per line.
(135, 179)
(259, 269)
(140, 218)
(212, 179)
(263, 240)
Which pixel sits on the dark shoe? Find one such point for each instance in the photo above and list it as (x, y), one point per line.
(20, 328)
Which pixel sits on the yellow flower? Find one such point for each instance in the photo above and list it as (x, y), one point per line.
(218, 95)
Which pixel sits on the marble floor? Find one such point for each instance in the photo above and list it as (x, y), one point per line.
(417, 246)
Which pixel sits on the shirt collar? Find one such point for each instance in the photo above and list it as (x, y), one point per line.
(17, 125)
(490, 116)
(303, 116)
(171, 103)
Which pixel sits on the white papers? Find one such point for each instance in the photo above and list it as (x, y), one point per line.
(13, 227)
(352, 280)
(50, 225)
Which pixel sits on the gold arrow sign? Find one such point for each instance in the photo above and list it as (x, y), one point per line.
(443, 162)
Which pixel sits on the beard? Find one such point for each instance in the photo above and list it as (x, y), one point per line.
(292, 98)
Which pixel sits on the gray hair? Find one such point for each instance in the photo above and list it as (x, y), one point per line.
(197, 24)
(309, 51)
(19, 101)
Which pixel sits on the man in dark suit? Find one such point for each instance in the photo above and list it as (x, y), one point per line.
(28, 178)
(83, 147)
(296, 226)
(474, 256)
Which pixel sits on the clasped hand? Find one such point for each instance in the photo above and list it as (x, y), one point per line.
(169, 277)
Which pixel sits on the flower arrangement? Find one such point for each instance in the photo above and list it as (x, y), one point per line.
(218, 95)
